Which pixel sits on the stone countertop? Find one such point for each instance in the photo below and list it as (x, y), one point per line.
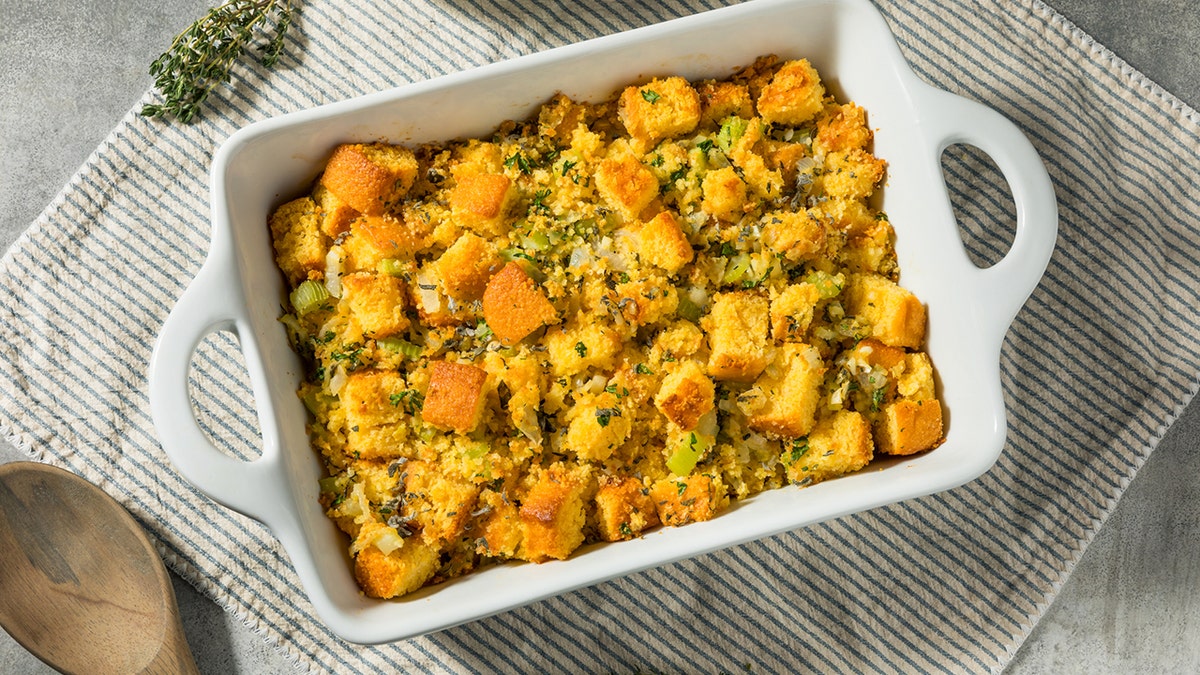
(70, 71)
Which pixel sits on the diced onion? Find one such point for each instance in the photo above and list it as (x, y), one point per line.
(333, 272)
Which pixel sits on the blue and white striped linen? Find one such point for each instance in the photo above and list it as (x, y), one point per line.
(1099, 363)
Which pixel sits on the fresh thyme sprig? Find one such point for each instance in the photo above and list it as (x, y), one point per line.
(201, 56)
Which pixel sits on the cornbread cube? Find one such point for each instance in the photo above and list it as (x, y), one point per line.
(689, 499)
(336, 215)
(438, 504)
(581, 345)
(896, 316)
(379, 483)
(870, 250)
(682, 339)
(737, 335)
(499, 532)
(514, 306)
(916, 382)
(299, 246)
(851, 216)
(560, 117)
(905, 426)
(791, 389)
(373, 239)
(792, 311)
(840, 128)
(686, 395)
(784, 157)
(552, 513)
(376, 422)
(480, 201)
(376, 302)
(433, 306)
(663, 244)
(793, 96)
(795, 235)
(624, 508)
(370, 177)
(719, 100)
(393, 574)
(647, 299)
(874, 353)
(597, 427)
(840, 444)
(659, 109)
(626, 185)
(455, 397)
(466, 266)
(724, 194)
(852, 174)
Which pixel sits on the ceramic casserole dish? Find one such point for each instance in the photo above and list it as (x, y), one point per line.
(240, 290)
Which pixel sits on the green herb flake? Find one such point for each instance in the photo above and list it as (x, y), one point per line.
(651, 96)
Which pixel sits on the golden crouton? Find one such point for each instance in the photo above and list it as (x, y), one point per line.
(455, 396)
(793, 96)
(624, 508)
(375, 416)
(724, 194)
(905, 426)
(578, 346)
(435, 504)
(498, 533)
(659, 109)
(790, 389)
(719, 100)
(596, 427)
(403, 570)
(514, 306)
(370, 178)
(874, 353)
(374, 239)
(299, 246)
(662, 243)
(336, 215)
(737, 335)
(626, 185)
(851, 175)
(916, 382)
(552, 513)
(376, 302)
(840, 444)
(792, 311)
(466, 266)
(896, 316)
(646, 299)
(688, 499)
(796, 235)
(840, 128)
(686, 395)
(480, 200)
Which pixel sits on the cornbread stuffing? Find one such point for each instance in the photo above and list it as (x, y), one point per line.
(606, 318)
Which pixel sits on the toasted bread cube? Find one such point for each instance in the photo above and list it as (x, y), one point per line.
(868, 249)
(663, 244)
(719, 100)
(299, 246)
(373, 239)
(597, 426)
(481, 201)
(376, 424)
(896, 316)
(851, 175)
(840, 128)
(686, 395)
(792, 311)
(578, 346)
(905, 426)
(466, 266)
(377, 303)
(689, 499)
(394, 574)
(624, 508)
(455, 397)
(370, 177)
(626, 185)
(785, 157)
(514, 306)
(916, 382)
(737, 335)
(499, 533)
(793, 96)
(438, 504)
(874, 353)
(646, 299)
(796, 235)
(840, 444)
(553, 513)
(791, 389)
(724, 194)
(336, 215)
(659, 109)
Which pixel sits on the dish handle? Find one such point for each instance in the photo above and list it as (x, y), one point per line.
(204, 308)
(1005, 286)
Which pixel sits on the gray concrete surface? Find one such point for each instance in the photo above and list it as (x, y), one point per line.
(69, 71)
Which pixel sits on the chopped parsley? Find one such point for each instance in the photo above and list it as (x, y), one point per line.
(651, 96)
(581, 349)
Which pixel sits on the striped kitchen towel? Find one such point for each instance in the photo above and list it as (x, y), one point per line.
(1098, 364)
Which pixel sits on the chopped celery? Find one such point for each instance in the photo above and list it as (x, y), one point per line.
(738, 266)
(828, 285)
(330, 485)
(688, 309)
(731, 131)
(684, 459)
(391, 267)
(477, 450)
(308, 296)
(405, 347)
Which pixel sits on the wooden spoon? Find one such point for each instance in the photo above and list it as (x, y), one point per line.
(81, 586)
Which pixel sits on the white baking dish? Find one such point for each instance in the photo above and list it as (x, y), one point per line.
(239, 290)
